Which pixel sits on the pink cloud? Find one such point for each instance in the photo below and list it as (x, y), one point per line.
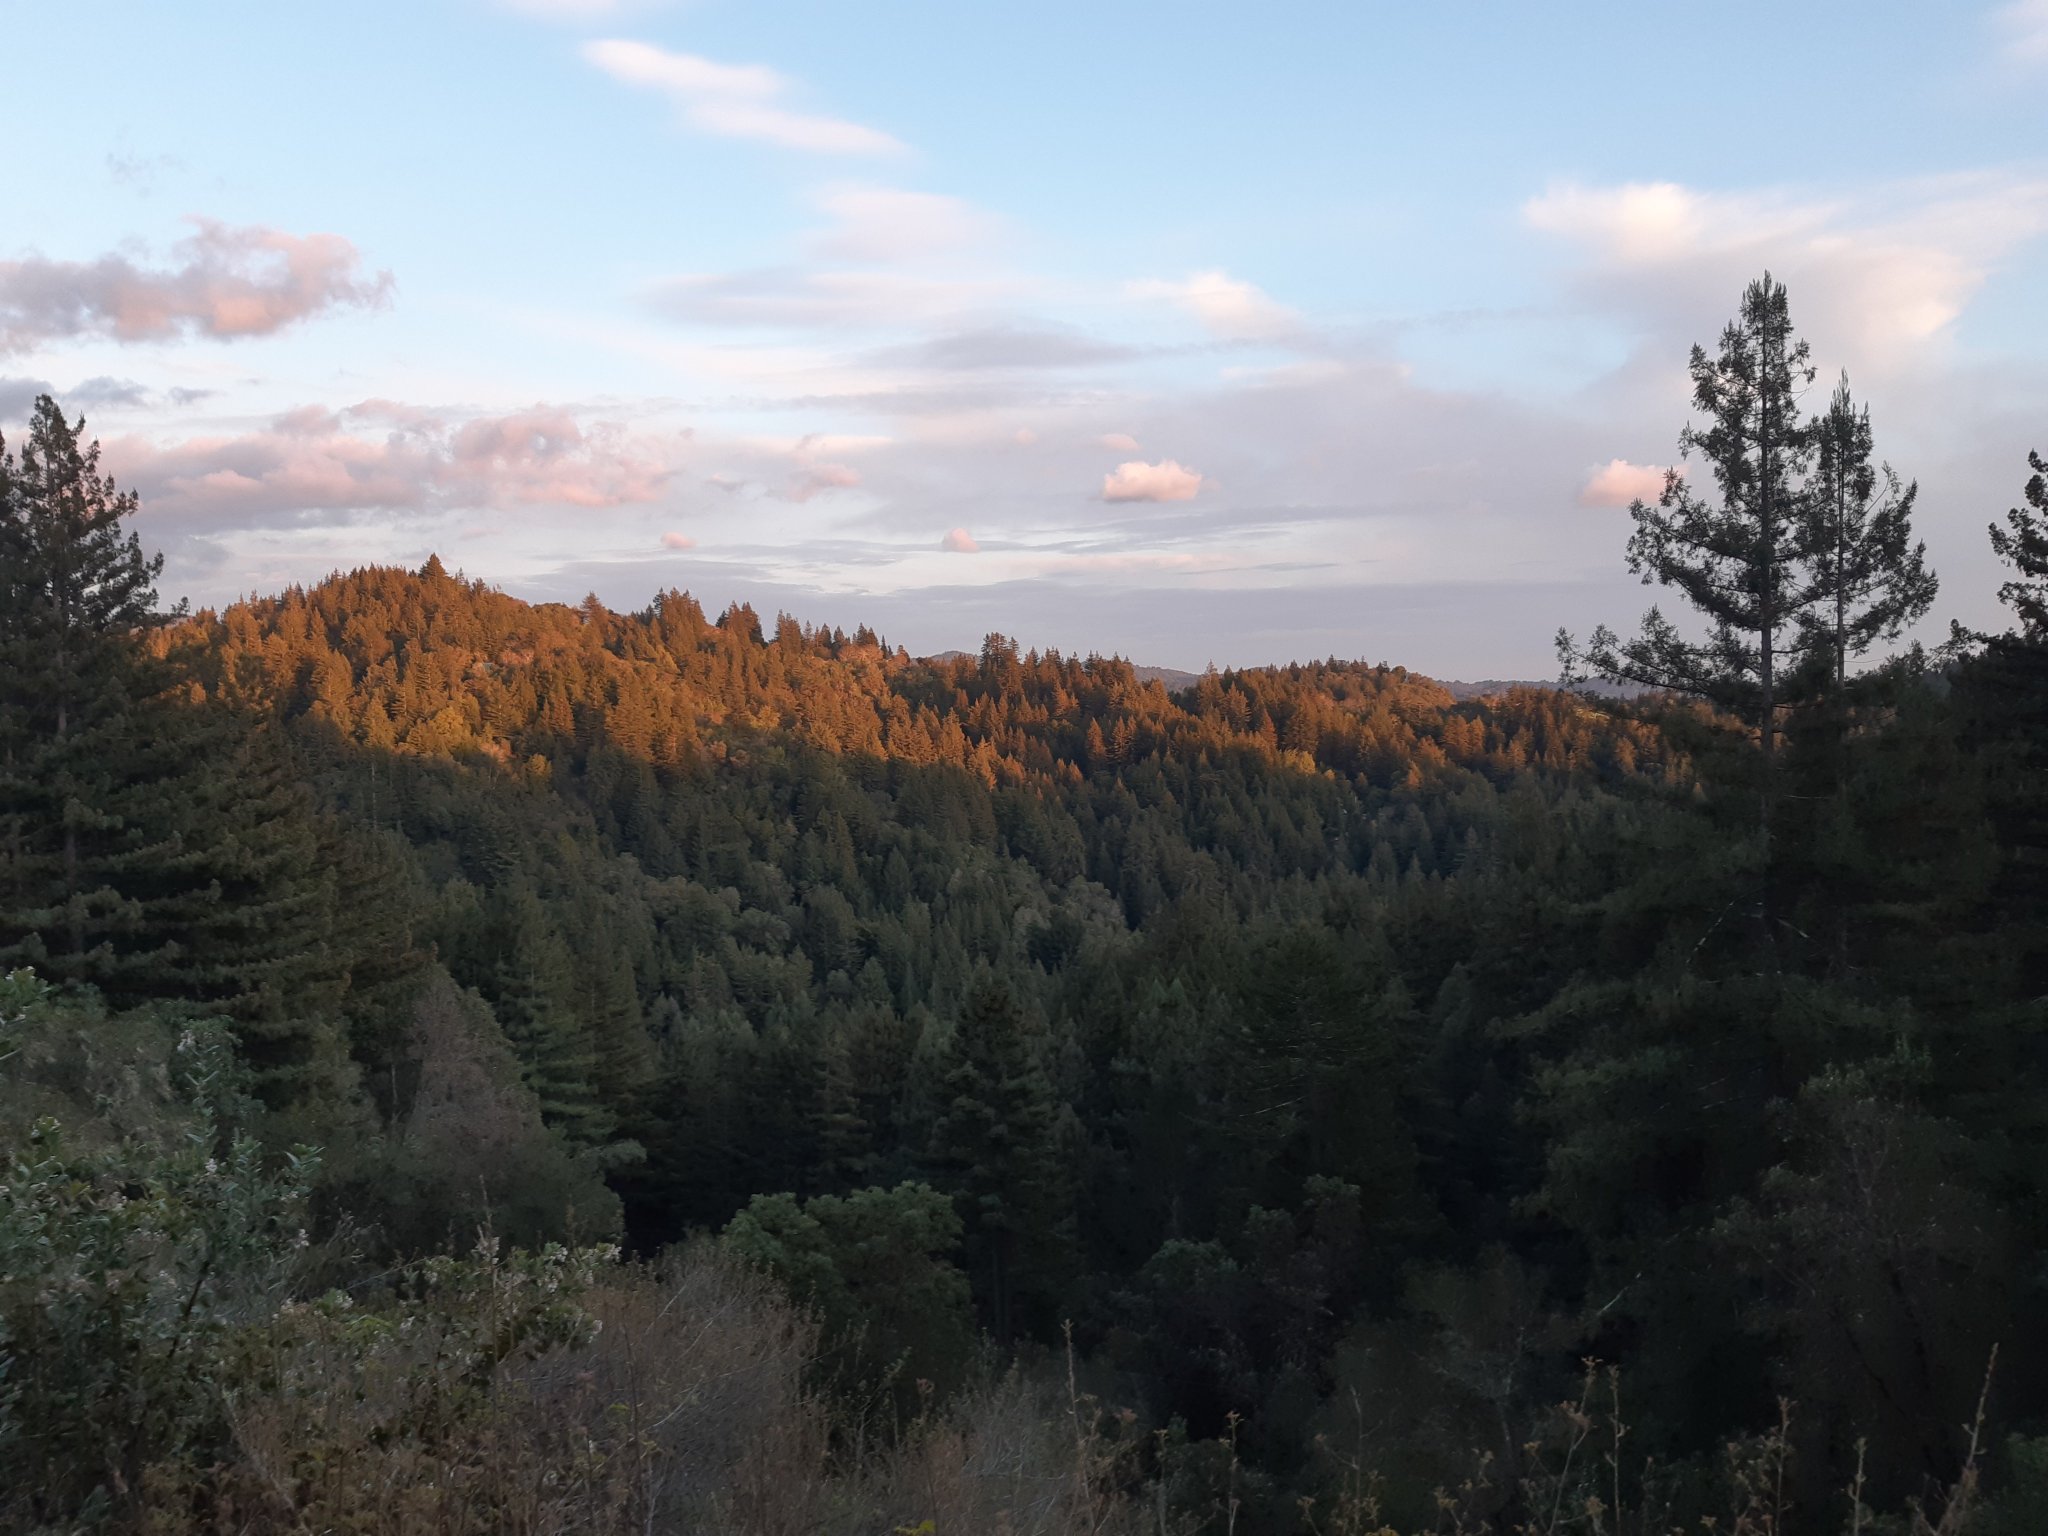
(313, 460)
(230, 283)
(1617, 483)
(1139, 481)
(1122, 442)
(960, 542)
(677, 541)
(814, 478)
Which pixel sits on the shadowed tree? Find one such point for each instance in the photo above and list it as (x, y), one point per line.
(2023, 544)
(1869, 578)
(75, 593)
(995, 1144)
(1734, 556)
(150, 846)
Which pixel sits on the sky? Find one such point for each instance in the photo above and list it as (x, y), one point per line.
(1191, 332)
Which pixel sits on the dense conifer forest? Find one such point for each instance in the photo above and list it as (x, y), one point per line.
(472, 1065)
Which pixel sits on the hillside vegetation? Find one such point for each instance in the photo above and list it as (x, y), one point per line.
(472, 1065)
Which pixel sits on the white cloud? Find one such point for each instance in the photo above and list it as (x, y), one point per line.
(1643, 223)
(572, 10)
(737, 101)
(1618, 483)
(889, 224)
(2023, 26)
(1121, 442)
(1874, 280)
(1230, 307)
(1139, 481)
(960, 542)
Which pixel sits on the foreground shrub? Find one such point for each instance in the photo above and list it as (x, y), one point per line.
(130, 1261)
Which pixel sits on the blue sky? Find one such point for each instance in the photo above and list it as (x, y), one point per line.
(1196, 332)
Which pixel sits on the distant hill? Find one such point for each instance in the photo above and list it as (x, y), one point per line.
(1494, 686)
(1176, 679)
(1173, 677)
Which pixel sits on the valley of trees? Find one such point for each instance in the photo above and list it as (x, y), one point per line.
(469, 1065)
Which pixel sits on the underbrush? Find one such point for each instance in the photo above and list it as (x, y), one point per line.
(563, 1391)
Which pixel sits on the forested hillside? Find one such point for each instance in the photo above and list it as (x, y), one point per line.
(1317, 1066)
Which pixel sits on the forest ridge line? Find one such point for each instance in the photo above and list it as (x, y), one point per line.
(424, 662)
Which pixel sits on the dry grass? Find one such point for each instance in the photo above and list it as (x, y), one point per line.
(682, 1405)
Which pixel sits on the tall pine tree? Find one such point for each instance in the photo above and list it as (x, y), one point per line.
(1868, 577)
(2023, 544)
(76, 591)
(1734, 556)
(149, 845)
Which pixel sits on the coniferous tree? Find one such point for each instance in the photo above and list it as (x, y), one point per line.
(151, 846)
(75, 591)
(2003, 692)
(1869, 579)
(994, 1144)
(1866, 580)
(1733, 556)
(529, 987)
(2023, 544)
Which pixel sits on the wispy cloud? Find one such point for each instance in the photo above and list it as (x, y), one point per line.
(141, 173)
(1883, 274)
(1139, 481)
(104, 392)
(736, 101)
(889, 224)
(577, 10)
(814, 479)
(228, 283)
(677, 541)
(1009, 347)
(2023, 30)
(796, 299)
(1229, 307)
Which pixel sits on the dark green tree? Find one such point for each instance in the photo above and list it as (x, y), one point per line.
(150, 845)
(877, 1265)
(2023, 544)
(1734, 556)
(76, 591)
(1866, 580)
(995, 1147)
(530, 987)
(2003, 695)
(1868, 576)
